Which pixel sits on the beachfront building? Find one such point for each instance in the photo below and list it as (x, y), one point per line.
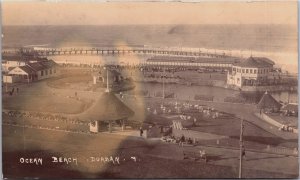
(32, 72)
(191, 61)
(11, 61)
(253, 71)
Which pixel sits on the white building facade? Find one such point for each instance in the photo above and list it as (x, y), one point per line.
(32, 72)
(254, 71)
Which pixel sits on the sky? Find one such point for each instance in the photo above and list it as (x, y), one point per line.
(123, 13)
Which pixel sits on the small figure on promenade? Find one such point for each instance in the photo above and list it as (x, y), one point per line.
(182, 139)
(141, 131)
(243, 152)
(190, 141)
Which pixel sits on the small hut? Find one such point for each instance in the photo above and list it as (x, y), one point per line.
(268, 103)
(106, 110)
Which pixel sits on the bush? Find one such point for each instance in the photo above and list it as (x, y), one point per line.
(204, 97)
(234, 100)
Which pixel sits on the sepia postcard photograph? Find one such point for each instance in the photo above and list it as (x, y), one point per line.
(149, 89)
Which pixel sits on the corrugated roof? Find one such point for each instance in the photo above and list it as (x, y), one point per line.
(41, 65)
(27, 69)
(48, 63)
(256, 62)
(37, 66)
(31, 68)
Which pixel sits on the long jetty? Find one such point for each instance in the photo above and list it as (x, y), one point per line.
(41, 51)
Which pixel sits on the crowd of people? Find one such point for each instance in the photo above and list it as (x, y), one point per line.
(184, 109)
(286, 128)
(14, 90)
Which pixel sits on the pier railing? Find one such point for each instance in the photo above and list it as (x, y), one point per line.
(41, 51)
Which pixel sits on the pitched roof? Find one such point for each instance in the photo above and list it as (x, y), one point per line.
(48, 63)
(107, 108)
(256, 62)
(31, 68)
(25, 68)
(267, 101)
(41, 65)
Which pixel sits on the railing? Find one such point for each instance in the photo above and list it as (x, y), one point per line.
(113, 50)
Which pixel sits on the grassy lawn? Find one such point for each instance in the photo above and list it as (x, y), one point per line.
(70, 78)
(49, 143)
(43, 103)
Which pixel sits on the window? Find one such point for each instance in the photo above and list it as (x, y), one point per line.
(42, 73)
(247, 71)
(46, 72)
(254, 71)
(243, 71)
(251, 71)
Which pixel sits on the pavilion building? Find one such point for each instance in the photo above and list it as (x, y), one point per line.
(30, 72)
(107, 110)
(254, 71)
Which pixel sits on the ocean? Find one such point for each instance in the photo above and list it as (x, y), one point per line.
(278, 42)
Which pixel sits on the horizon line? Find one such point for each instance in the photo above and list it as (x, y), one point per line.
(147, 24)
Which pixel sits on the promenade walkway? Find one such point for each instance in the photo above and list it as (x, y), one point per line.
(247, 112)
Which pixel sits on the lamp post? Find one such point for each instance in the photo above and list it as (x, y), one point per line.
(241, 149)
(6, 83)
(107, 85)
(23, 135)
(107, 91)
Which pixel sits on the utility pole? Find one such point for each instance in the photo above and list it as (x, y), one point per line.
(6, 83)
(164, 83)
(23, 135)
(241, 149)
